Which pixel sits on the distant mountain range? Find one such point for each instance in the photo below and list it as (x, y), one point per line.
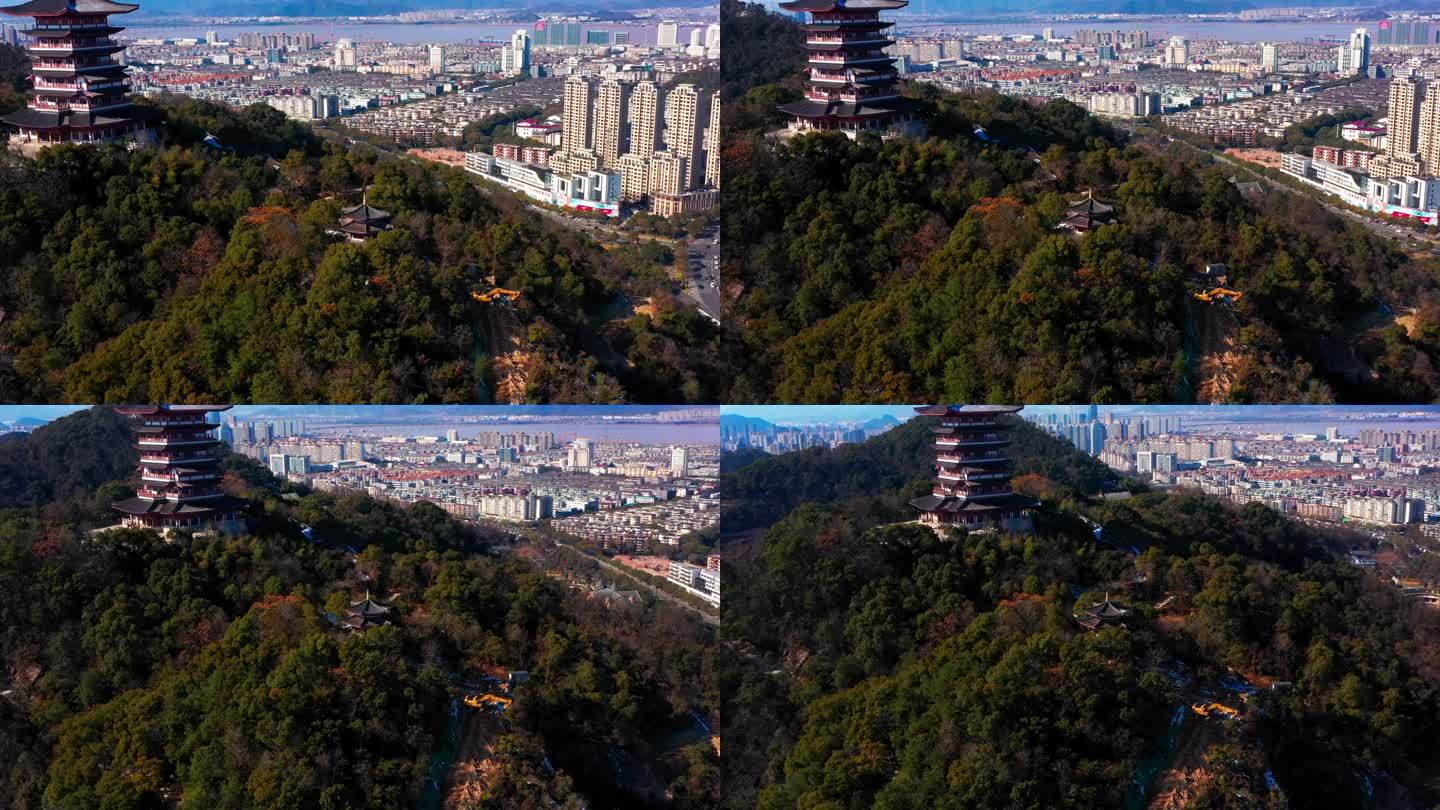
(1009, 10)
(451, 413)
(736, 423)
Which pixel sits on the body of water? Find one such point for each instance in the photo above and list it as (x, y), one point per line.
(1350, 428)
(1231, 30)
(656, 434)
(401, 33)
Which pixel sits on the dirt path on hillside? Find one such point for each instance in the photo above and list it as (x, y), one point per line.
(475, 766)
(509, 352)
(1218, 353)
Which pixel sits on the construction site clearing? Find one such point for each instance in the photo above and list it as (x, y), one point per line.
(476, 765)
(476, 762)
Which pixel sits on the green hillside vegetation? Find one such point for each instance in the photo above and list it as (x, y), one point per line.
(766, 487)
(138, 673)
(889, 668)
(930, 269)
(187, 273)
(65, 459)
(760, 48)
(14, 65)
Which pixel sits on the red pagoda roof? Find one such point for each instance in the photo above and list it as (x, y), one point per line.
(59, 8)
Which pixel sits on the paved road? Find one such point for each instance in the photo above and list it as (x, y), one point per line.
(702, 272)
(698, 290)
(708, 618)
(1397, 233)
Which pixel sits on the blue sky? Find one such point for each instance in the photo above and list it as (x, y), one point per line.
(425, 413)
(9, 413)
(818, 414)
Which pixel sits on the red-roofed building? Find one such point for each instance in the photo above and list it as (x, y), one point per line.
(850, 78)
(179, 472)
(81, 90)
(972, 486)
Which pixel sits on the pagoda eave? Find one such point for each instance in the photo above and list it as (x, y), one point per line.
(957, 410)
(834, 109)
(151, 410)
(66, 33)
(833, 6)
(61, 8)
(199, 507)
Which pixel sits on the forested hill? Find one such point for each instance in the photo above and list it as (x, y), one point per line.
(761, 48)
(137, 673)
(199, 272)
(14, 66)
(69, 457)
(767, 488)
(931, 268)
(886, 667)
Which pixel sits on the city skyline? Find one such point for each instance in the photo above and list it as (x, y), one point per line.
(837, 414)
(818, 414)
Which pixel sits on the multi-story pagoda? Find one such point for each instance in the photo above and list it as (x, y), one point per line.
(851, 80)
(179, 472)
(972, 486)
(81, 93)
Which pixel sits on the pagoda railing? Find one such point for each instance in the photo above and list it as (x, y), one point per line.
(189, 459)
(179, 477)
(969, 494)
(964, 441)
(968, 423)
(946, 457)
(175, 422)
(980, 458)
(846, 16)
(40, 25)
(148, 441)
(857, 39)
(841, 57)
(75, 64)
(161, 495)
(70, 46)
(859, 98)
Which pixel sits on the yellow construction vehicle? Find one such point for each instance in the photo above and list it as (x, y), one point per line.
(486, 701)
(1212, 295)
(1214, 710)
(496, 294)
